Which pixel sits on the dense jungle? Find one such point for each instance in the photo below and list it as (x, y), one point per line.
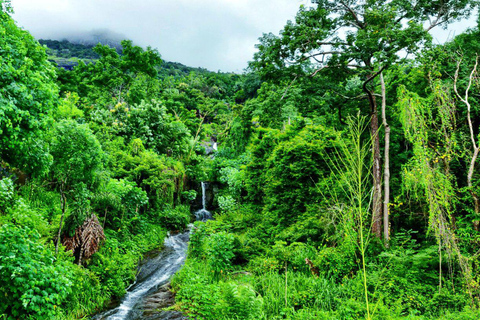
(339, 171)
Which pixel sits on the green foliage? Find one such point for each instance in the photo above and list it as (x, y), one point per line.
(158, 130)
(32, 284)
(200, 296)
(220, 252)
(287, 170)
(21, 213)
(303, 292)
(115, 276)
(27, 88)
(77, 154)
(226, 203)
(175, 219)
(197, 240)
(6, 6)
(292, 178)
(115, 264)
(189, 195)
(67, 49)
(114, 78)
(195, 290)
(86, 296)
(239, 301)
(337, 263)
(119, 201)
(160, 176)
(68, 107)
(6, 194)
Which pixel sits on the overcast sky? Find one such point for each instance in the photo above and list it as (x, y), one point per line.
(214, 34)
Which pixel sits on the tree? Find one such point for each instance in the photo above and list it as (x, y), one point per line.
(32, 283)
(27, 88)
(430, 126)
(86, 239)
(464, 98)
(77, 157)
(6, 6)
(349, 38)
(114, 78)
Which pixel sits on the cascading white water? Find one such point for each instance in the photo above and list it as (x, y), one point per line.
(153, 274)
(214, 146)
(203, 214)
(204, 197)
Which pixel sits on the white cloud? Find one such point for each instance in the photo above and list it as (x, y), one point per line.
(214, 34)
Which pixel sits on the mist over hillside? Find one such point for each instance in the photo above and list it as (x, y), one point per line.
(67, 53)
(93, 37)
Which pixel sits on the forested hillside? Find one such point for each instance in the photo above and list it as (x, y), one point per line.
(66, 55)
(345, 183)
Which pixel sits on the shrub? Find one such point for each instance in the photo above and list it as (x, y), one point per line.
(115, 266)
(32, 284)
(197, 239)
(220, 248)
(239, 301)
(226, 203)
(337, 262)
(175, 218)
(87, 294)
(196, 293)
(199, 295)
(6, 194)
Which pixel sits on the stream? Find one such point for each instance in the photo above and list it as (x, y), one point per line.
(150, 292)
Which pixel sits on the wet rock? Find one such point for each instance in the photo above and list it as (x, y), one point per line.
(153, 304)
(161, 299)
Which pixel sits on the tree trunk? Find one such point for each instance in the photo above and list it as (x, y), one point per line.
(386, 164)
(81, 254)
(64, 203)
(105, 218)
(377, 177)
(376, 170)
(475, 146)
(475, 197)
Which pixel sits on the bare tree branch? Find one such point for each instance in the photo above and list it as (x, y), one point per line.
(359, 23)
(286, 90)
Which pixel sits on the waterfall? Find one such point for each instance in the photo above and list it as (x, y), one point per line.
(214, 146)
(204, 197)
(203, 214)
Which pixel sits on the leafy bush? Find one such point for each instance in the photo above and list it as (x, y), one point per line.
(337, 262)
(226, 203)
(197, 239)
(239, 301)
(32, 284)
(87, 294)
(119, 201)
(196, 292)
(220, 252)
(115, 266)
(409, 280)
(6, 194)
(22, 214)
(176, 218)
(275, 258)
(199, 295)
(189, 195)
